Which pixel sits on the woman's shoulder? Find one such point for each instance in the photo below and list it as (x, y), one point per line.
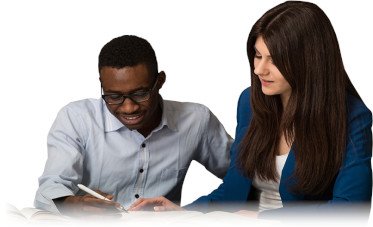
(244, 113)
(244, 101)
(245, 95)
(357, 108)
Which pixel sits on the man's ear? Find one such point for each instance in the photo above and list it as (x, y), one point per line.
(99, 78)
(161, 79)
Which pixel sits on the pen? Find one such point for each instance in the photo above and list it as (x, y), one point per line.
(98, 196)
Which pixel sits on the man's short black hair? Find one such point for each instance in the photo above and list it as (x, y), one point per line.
(128, 50)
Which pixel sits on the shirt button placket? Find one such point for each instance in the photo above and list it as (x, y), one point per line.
(141, 170)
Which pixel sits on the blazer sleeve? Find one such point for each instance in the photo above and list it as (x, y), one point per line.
(354, 181)
(352, 190)
(235, 186)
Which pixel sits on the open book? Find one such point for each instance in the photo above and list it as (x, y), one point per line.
(139, 218)
(190, 218)
(28, 214)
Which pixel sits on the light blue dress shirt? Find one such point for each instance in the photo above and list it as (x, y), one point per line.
(88, 145)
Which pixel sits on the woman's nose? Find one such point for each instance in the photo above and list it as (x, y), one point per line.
(261, 68)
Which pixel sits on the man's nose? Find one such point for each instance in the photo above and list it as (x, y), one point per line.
(129, 106)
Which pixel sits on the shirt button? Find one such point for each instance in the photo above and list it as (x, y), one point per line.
(141, 170)
(143, 145)
(137, 196)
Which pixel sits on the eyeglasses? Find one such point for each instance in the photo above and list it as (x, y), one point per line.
(137, 97)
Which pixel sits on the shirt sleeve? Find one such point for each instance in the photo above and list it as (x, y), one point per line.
(214, 146)
(235, 187)
(64, 166)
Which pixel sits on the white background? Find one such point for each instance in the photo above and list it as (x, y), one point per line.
(49, 52)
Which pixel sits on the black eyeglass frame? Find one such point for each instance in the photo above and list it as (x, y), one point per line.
(130, 96)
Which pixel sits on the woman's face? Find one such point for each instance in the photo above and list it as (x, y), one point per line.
(273, 82)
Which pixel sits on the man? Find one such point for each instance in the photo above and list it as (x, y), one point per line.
(131, 143)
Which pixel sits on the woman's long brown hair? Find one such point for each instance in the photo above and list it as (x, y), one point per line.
(304, 47)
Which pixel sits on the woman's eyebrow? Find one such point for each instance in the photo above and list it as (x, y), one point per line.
(268, 56)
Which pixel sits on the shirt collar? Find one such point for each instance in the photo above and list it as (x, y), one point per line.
(168, 118)
(111, 123)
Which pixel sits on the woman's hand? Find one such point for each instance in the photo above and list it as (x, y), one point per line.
(248, 213)
(156, 204)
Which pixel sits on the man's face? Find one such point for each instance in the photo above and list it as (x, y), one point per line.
(141, 116)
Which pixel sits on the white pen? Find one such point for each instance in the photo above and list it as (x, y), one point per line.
(98, 196)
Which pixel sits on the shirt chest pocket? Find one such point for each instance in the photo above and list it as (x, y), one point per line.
(173, 174)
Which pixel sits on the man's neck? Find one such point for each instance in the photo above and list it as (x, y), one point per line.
(158, 117)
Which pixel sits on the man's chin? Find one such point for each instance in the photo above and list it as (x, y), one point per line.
(133, 127)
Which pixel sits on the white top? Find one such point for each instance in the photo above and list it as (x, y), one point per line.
(268, 191)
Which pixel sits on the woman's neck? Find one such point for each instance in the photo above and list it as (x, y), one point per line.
(285, 98)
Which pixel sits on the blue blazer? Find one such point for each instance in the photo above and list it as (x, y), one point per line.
(352, 184)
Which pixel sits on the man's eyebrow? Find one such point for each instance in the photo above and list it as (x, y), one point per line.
(130, 92)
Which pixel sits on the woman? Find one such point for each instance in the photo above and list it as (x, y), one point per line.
(303, 132)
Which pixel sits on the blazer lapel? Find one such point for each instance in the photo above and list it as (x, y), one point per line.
(288, 181)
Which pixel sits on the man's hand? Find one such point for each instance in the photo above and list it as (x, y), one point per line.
(156, 204)
(87, 205)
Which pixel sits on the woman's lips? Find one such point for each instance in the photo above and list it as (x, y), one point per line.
(266, 82)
